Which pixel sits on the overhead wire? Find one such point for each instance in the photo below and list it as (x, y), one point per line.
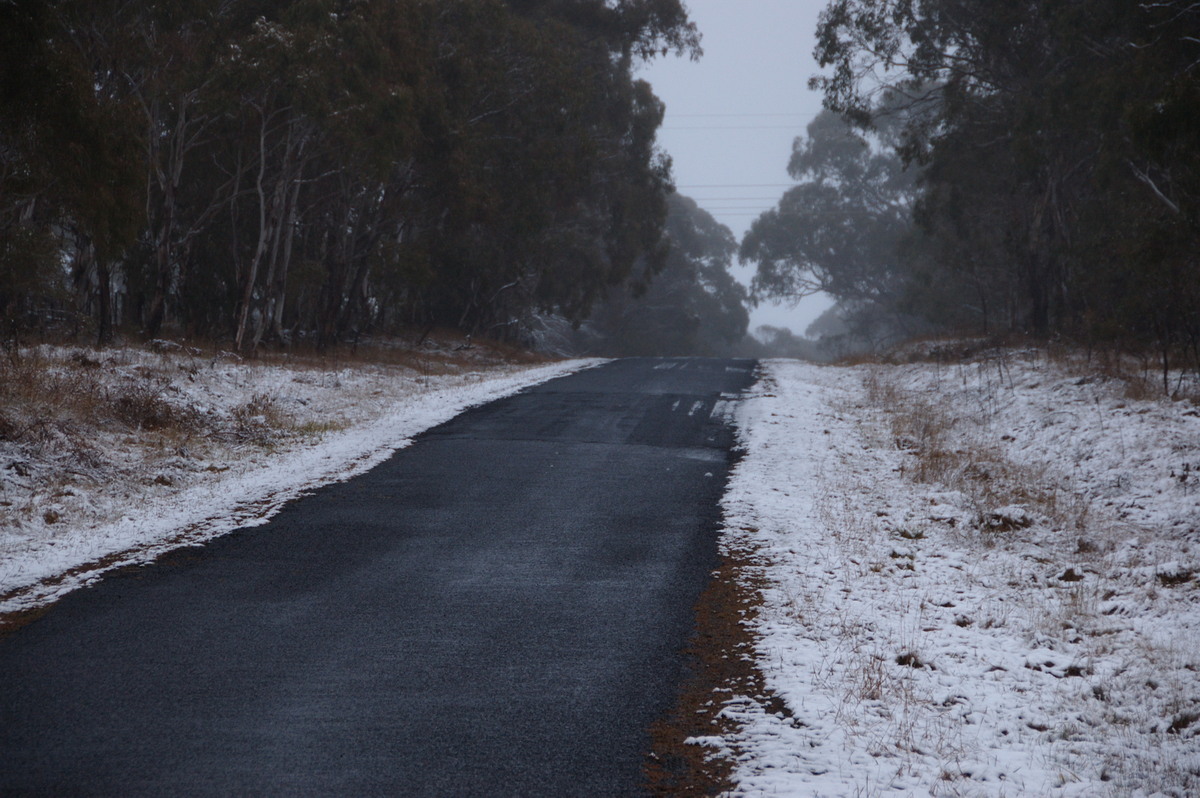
(693, 128)
(689, 124)
(735, 199)
(737, 185)
(741, 116)
(734, 210)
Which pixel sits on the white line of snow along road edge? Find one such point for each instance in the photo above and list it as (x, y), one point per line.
(251, 494)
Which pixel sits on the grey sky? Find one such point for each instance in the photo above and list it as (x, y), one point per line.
(732, 116)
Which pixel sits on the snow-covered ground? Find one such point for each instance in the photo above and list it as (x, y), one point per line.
(982, 579)
(83, 496)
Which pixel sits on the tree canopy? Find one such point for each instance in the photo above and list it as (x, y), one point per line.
(269, 170)
(839, 229)
(1056, 161)
(693, 306)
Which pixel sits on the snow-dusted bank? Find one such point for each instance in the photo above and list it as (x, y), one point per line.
(982, 580)
(55, 538)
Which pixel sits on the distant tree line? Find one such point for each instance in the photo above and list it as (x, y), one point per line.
(263, 170)
(693, 305)
(1012, 165)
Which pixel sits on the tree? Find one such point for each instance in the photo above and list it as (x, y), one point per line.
(1056, 156)
(551, 186)
(267, 169)
(68, 169)
(693, 306)
(839, 231)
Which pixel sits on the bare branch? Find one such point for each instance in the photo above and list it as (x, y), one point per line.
(1145, 178)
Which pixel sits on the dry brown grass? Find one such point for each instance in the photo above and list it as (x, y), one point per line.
(442, 352)
(978, 469)
(50, 409)
(37, 391)
(76, 388)
(1139, 370)
(73, 420)
(721, 669)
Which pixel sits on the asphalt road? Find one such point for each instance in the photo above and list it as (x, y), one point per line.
(496, 610)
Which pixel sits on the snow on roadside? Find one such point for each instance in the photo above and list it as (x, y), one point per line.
(56, 539)
(1017, 612)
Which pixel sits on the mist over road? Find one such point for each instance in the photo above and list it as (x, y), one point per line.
(496, 610)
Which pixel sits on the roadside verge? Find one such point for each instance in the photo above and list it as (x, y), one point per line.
(279, 432)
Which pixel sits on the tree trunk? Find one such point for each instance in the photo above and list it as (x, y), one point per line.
(104, 303)
(260, 247)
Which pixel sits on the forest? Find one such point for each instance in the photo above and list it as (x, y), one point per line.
(265, 172)
(1025, 167)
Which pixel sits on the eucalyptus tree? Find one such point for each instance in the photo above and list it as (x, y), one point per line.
(325, 99)
(546, 173)
(260, 168)
(691, 306)
(159, 60)
(840, 229)
(1059, 162)
(69, 176)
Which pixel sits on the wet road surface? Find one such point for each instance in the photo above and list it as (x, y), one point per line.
(496, 610)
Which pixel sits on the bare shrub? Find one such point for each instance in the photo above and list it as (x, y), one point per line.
(259, 421)
(41, 400)
(141, 405)
(9, 431)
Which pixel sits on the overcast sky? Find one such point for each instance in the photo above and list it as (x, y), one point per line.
(732, 116)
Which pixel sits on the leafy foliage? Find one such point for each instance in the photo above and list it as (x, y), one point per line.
(1059, 164)
(839, 229)
(270, 169)
(693, 306)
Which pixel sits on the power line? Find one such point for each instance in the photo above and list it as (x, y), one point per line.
(672, 128)
(724, 203)
(807, 116)
(738, 185)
